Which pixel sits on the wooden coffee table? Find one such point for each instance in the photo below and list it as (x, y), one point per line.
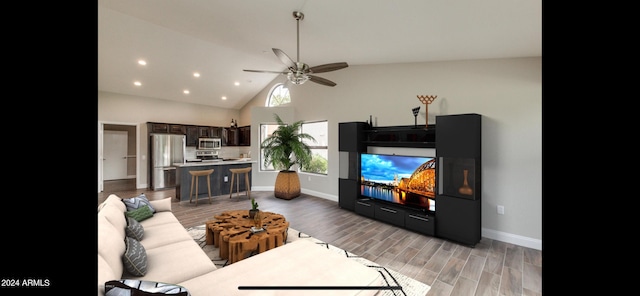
(231, 232)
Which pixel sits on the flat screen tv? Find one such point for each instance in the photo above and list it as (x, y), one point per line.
(399, 179)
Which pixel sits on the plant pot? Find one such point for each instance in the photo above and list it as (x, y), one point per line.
(287, 185)
(252, 213)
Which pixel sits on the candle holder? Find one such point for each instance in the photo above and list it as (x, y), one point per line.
(415, 116)
(426, 100)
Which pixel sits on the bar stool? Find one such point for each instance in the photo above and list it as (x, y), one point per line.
(237, 172)
(194, 177)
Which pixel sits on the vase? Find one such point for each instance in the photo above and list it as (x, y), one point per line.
(287, 185)
(252, 213)
(257, 220)
(465, 189)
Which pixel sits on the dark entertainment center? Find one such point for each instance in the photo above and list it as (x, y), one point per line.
(457, 140)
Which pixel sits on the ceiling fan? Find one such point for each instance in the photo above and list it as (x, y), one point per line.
(299, 72)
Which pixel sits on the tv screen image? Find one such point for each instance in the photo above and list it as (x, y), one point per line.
(400, 179)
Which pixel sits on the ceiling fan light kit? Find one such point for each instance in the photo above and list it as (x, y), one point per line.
(298, 72)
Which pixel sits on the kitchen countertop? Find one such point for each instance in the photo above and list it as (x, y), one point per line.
(219, 162)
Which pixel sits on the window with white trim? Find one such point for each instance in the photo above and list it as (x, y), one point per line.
(278, 95)
(319, 148)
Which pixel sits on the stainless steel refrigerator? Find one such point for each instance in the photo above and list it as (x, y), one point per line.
(166, 150)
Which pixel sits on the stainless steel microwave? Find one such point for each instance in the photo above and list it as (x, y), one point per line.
(209, 143)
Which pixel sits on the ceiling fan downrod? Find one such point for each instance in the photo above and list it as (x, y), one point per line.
(298, 16)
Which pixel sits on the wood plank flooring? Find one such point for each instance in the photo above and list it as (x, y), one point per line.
(491, 268)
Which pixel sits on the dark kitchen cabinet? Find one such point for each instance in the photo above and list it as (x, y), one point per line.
(192, 136)
(159, 128)
(166, 128)
(216, 132)
(209, 132)
(177, 129)
(229, 136)
(204, 132)
(244, 135)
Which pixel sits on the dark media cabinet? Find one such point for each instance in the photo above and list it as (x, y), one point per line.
(457, 140)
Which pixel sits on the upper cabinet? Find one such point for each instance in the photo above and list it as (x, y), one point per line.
(177, 129)
(203, 131)
(229, 136)
(167, 128)
(159, 128)
(192, 136)
(240, 136)
(216, 132)
(244, 135)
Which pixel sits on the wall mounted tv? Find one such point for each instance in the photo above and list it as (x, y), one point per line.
(399, 179)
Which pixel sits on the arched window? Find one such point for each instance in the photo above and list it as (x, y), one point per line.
(278, 95)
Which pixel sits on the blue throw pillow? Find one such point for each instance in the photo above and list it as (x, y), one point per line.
(137, 202)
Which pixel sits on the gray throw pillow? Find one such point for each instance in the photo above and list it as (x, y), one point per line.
(135, 257)
(137, 202)
(134, 229)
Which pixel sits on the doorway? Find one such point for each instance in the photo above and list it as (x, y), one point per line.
(117, 156)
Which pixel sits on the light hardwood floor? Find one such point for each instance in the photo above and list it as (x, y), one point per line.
(490, 268)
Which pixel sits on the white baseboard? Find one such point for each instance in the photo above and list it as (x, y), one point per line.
(320, 194)
(305, 191)
(261, 188)
(512, 238)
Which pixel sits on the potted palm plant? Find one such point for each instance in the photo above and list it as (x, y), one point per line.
(283, 149)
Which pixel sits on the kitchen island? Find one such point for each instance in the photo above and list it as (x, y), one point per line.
(220, 179)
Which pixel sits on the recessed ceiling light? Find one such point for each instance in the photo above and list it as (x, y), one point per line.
(236, 83)
(137, 83)
(196, 74)
(186, 91)
(142, 62)
(224, 98)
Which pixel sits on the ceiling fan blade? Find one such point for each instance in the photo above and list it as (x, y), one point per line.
(321, 80)
(328, 67)
(285, 59)
(264, 71)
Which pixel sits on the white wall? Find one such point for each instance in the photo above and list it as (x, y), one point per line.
(506, 92)
(124, 109)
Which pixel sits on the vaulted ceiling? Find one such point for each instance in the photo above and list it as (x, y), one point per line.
(220, 38)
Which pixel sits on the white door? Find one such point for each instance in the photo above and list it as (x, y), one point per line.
(115, 155)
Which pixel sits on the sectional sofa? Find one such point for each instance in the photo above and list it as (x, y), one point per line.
(164, 252)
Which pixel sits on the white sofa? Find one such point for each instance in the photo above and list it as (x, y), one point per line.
(174, 257)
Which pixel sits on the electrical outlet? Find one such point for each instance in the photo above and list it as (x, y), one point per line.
(226, 179)
(501, 210)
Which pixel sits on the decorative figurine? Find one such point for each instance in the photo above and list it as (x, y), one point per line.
(426, 100)
(415, 116)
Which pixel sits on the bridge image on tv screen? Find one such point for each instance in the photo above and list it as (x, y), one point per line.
(401, 179)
